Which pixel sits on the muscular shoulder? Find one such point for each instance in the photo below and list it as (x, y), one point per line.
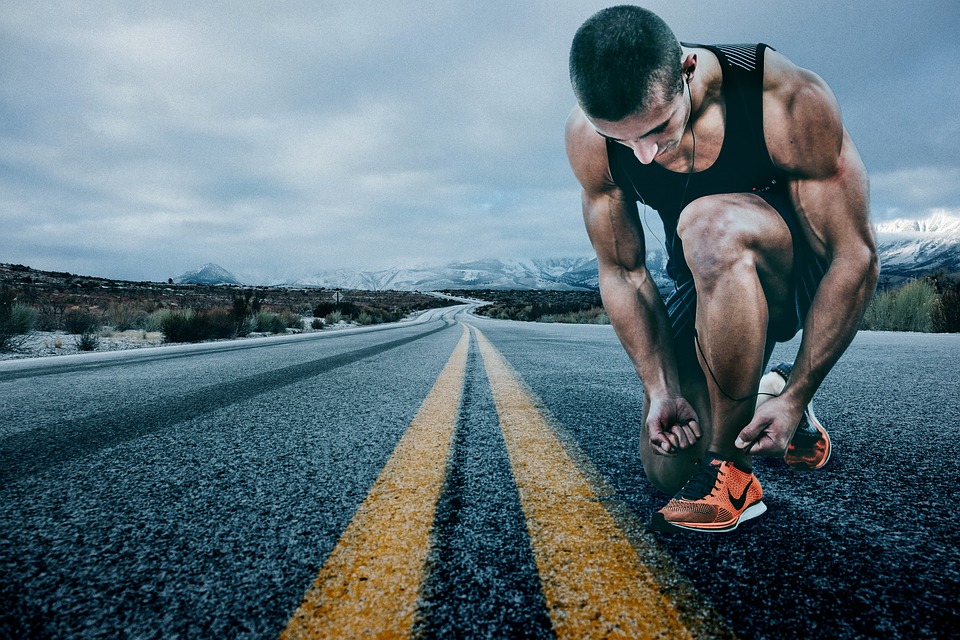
(587, 154)
(611, 220)
(801, 119)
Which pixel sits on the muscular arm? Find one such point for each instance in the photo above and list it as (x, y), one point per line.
(629, 294)
(829, 190)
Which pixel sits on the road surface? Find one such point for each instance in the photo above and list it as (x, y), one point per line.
(453, 477)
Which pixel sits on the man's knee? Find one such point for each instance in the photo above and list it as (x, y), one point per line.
(668, 474)
(715, 238)
(706, 217)
(729, 232)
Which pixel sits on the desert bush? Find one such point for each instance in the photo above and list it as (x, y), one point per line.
(122, 316)
(247, 326)
(87, 341)
(543, 306)
(596, 315)
(244, 309)
(218, 324)
(385, 315)
(324, 309)
(946, 318)
(20, 319)
(50, 317)
(267, 322)
(15, 321)
(179, 326)
(292, 320)
(911, 307)
(333, 317)
(365, 318)
(80, 321)
(316, 324)
(196, 326)
(154, 321)
(241, 306)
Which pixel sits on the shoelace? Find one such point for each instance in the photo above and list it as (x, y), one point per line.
(702, 483)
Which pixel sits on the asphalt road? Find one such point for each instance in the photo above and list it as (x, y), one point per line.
(454, 483)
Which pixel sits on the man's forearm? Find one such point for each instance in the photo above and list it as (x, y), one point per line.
(836, 208)
(640, 320)
(833, 320)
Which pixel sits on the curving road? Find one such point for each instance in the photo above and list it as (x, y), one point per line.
(453, 477)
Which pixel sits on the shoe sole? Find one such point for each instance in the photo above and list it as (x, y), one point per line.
(659, 523)
(812, 418)
(772, 384)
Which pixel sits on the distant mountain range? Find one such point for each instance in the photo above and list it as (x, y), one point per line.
(908, 249)
(564, 274)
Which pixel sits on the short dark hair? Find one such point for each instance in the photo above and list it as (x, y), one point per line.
(619, 57)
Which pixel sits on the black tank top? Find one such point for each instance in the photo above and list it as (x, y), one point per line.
(743, 165)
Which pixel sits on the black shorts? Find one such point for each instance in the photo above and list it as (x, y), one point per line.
(808, 272)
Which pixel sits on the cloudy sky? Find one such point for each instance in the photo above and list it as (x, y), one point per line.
(142, 139)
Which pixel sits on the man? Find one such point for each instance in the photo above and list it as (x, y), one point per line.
(763, 199)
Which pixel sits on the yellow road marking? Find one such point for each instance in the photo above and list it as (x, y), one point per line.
(593, 581)
(371, 581)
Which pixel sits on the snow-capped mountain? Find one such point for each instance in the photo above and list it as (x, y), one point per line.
(563, 273)
(555, 274)
(207, 274)
(939, 223)
(914, 248)
(908, 249)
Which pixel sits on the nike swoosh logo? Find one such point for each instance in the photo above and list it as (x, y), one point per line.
(738, 502)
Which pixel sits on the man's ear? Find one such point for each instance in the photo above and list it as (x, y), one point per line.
(688, 66)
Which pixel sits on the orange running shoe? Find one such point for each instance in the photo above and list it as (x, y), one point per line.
(717, 498)
(810, 447)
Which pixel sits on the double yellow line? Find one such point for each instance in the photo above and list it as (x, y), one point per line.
(593, 579)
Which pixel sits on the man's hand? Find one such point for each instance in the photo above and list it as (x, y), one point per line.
(672, 425)
(772, 428)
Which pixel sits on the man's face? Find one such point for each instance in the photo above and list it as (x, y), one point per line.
(651, 134)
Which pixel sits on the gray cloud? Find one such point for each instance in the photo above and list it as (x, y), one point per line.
(138, 141)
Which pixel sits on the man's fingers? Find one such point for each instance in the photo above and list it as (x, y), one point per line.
(679, 437)
(664, 442)
(759, 442)
(748, 436)
(673, 440)
(662, 447)
(752, 447)
(762, 447)
(687, 435)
